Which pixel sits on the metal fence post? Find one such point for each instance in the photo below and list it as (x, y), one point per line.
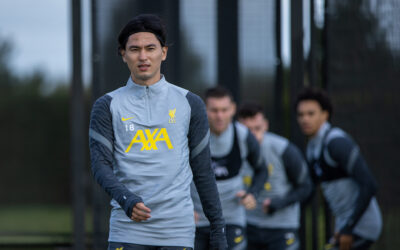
(78, 152)
(228, 56)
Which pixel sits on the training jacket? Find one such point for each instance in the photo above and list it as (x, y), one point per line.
(238, 139)
(145, 143)
(288, 184)
(347, 184)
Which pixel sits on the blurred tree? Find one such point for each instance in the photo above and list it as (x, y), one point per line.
(34, 137)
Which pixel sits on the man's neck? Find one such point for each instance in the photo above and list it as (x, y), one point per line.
(146, 82)
(219, 133)
(318, 131)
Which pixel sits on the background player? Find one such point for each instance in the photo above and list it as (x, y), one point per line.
(231, 144)
(336, 161)
(274, 224)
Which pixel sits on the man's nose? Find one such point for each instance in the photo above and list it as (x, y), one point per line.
(143, 55)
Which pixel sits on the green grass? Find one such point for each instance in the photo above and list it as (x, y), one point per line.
(37, 224)
(55, 219)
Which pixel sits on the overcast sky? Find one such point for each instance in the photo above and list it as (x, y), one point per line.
(39, 31)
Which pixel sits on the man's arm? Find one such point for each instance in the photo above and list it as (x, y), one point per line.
(345, 152)
(297, 173)
(257, 162)
(203, 175)
(101, 139)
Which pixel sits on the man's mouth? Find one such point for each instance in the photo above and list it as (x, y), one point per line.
(144, 67)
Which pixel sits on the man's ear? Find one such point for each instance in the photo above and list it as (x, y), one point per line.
(122, 53)
(325, 115)
(233, 108)
(164, 52)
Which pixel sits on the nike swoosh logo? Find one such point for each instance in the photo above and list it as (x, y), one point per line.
(126, 119)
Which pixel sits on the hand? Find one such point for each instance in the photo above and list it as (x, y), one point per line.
(265, 205)
(345, 241)
(218, 240)
(196, 217)
(247, 199)
(140, 212)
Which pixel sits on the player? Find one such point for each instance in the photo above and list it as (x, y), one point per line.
(274, 224)
(146, 140)
(231, 144)
(337, 163)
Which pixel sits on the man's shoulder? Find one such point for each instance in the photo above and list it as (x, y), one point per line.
(275, 138)
(241, 130)
(336, 133)
(276, 142)
(179, 90)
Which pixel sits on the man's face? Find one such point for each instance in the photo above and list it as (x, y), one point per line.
(310, 117)
(220, 112)
(257, 124)
(143, 54)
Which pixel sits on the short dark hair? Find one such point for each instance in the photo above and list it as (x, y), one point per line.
(318, 95)
(249, 110)
(143, 23)
(218, 92)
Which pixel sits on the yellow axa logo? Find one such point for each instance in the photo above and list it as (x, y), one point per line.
(150, 138)
(172, 115)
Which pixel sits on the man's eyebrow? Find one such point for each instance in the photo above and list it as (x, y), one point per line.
(146, 46)
(133, 47)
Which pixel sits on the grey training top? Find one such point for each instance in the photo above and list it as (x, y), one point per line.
(145, 143)
(234, 213)
(288, 184)
(346, 182)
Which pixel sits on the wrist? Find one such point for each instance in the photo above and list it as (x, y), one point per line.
(346, 230)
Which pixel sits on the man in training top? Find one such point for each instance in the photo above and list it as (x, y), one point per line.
(147, 140)
(336, 162)
(274, 224)
(231, 144)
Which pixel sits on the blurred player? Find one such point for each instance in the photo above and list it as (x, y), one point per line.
(347, 184)
(274, 224)
(231, 144)
(146, 140)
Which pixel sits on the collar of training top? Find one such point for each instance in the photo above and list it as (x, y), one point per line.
(140, 90)
(315, 143)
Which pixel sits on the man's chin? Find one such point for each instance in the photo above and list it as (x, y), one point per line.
(143, 77)
(306, 132)
(309, 133)
(218, 130)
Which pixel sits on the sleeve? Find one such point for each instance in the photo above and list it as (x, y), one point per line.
(257, 162)
(101, 139)
(203, 175)
(297, 173)
(347, 154)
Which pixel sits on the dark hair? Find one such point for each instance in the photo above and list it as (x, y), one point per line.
(318, 95)
(143, 23)
(249, 110)
(218, 92)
